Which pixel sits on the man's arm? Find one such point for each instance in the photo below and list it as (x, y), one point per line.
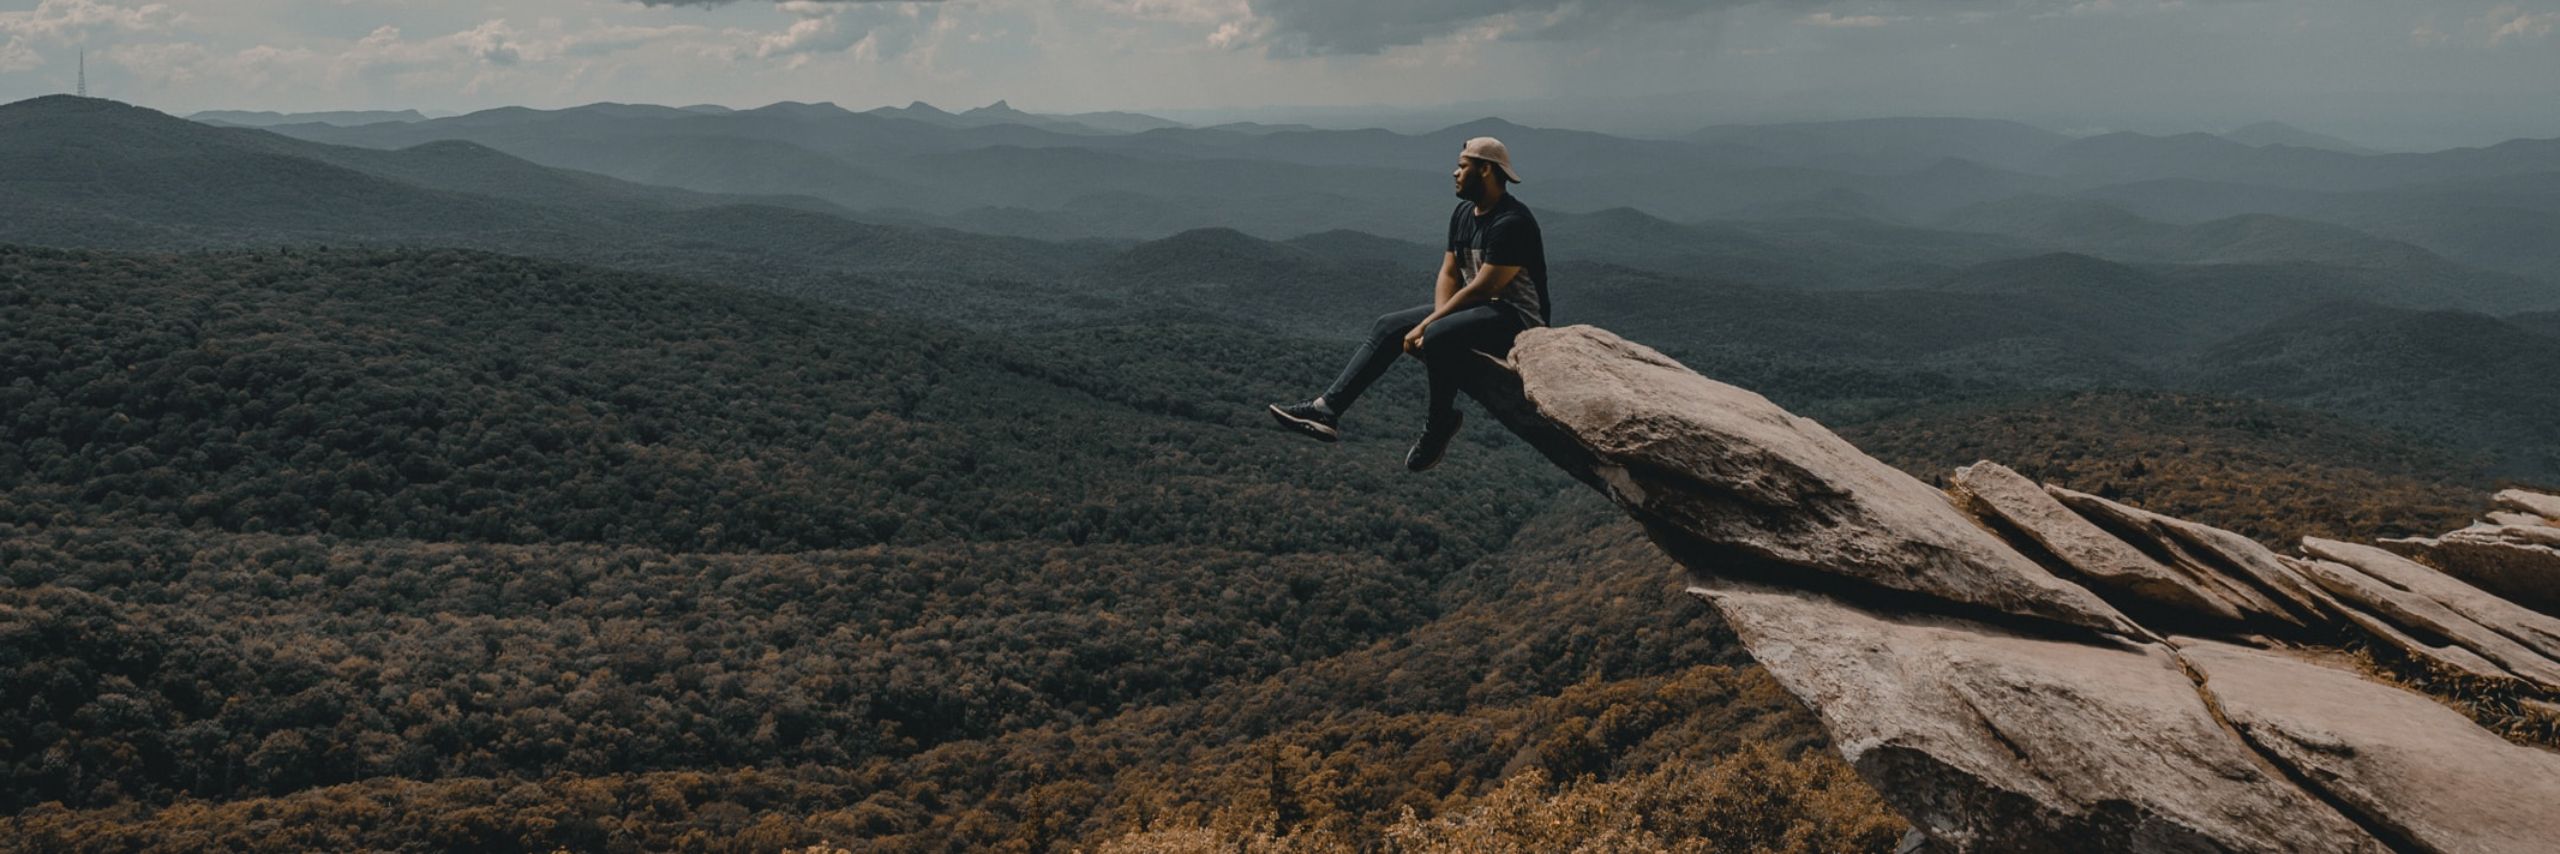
(1490, 278)
(1447, 283)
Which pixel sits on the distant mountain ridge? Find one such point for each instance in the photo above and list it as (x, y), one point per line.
(1002, 113)
(246, 118)
(1001, 169)
(2268, 133)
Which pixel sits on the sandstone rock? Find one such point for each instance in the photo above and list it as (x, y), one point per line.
(2421, 774)
(2518, 562)
(2533, 631)
(1993, 741)
(2446, 655)
(1957, 675)
(2545, 506)
(1734, 481)
(2404, 611)
(2522, 520)
(2237, 566)
(2006, 499)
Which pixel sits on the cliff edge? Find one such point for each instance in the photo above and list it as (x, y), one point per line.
(2018, 667)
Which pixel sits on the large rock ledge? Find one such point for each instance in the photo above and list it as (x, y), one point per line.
(1989, 740)
(2019, 667)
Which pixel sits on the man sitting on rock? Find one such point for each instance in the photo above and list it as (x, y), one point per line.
(1492, 285)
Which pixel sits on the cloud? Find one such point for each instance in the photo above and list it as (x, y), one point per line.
(63, 22)
(492, 42)
(615, 39)
(1204, 12)
(73, 20)
(2510, 23)
(1317, 27)
(790, 4)
(808, 35)
(867, 30)
(1827, 19)
(17, 57)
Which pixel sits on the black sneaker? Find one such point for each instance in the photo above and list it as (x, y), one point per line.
(1434, 442)
(1308, 418)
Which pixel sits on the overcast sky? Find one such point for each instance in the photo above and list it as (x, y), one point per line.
(2389, 72)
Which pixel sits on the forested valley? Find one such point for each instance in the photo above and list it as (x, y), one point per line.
(311, 548)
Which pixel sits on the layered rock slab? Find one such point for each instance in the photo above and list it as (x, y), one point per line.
(2436, 649)
(2522, 501)
(2005, 499)
(2232, 564)
(2417, 772)
(2520, 640)
(1990, 740)
(2520, 562)
(1701, 462)
(2528, 520)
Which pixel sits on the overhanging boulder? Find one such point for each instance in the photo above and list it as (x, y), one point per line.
(1733, 484)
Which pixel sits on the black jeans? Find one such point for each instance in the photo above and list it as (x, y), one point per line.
(1448, 349)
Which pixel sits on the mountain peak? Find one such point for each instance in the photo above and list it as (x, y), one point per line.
(2268, 133)
(1487, 126)
(57, 103)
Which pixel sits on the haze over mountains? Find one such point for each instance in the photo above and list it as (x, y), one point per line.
(1982, 252)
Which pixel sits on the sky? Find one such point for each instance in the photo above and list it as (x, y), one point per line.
(2391, 73)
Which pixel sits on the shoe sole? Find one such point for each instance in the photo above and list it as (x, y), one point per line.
(1434, 462)
(1312, 428)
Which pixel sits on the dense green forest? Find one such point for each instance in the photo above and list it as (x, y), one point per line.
(428, 549)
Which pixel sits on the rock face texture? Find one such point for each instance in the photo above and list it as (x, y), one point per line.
(2524, 644)
(2006, 499)
(1996, 741)
(2514, 555)
(2534, 503)
(2246, 571)
(1727, 469)
(2415, 771)
(2018, 667)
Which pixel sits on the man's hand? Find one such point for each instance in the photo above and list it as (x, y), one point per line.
(1413, 339)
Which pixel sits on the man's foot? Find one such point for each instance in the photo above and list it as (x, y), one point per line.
(1434, 442)
(1309, 418)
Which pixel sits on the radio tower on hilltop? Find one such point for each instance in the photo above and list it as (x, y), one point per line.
(84, 73)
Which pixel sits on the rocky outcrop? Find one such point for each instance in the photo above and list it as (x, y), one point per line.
(1992, 740)
(2019, 508)
(2514, 555)
(2419, 774)
(2381, 585)
(1710, 467)
(1998, 675)
(2545, 506)
(2239, 566)
(2509, 517)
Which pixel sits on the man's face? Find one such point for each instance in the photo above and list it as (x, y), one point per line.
(1471, 177)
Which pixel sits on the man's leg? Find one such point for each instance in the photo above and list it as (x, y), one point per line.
(1449, 349)
(1319, 417)
(1370, 361)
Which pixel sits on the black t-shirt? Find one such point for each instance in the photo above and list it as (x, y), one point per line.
(1505, 236)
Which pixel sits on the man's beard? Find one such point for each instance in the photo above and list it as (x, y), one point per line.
(1472, 191)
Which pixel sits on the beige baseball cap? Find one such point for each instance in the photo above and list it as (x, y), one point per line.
(1488, 148)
